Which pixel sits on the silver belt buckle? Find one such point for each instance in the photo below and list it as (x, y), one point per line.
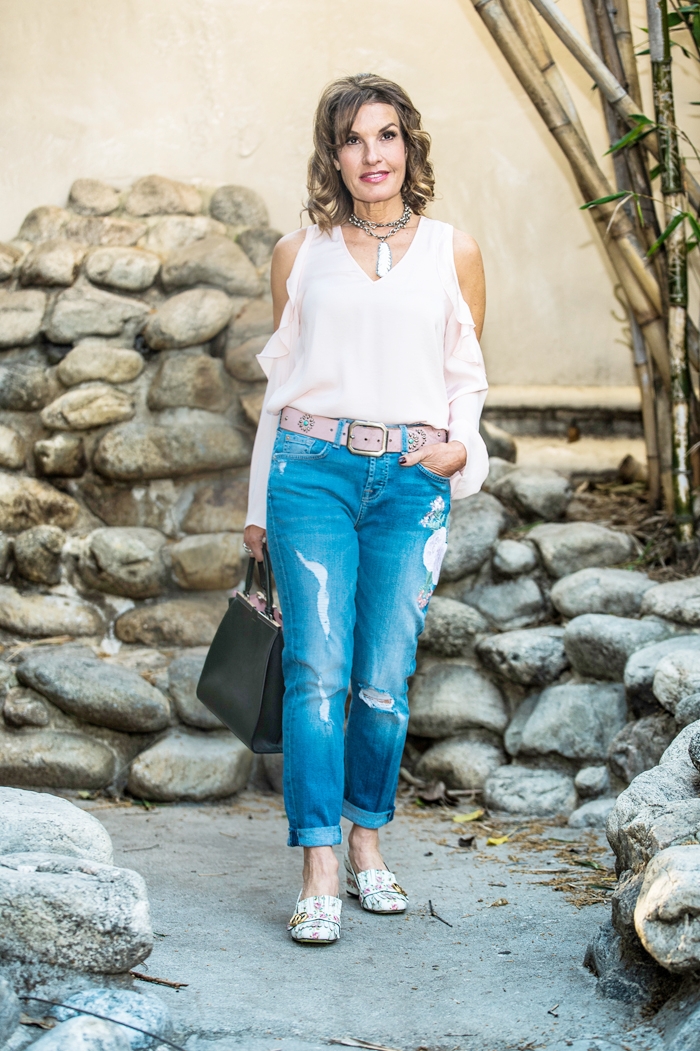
(368, 452)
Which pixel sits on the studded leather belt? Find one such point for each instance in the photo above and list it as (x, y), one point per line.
(362, 437)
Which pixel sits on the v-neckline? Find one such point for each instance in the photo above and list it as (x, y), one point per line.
(364, 272)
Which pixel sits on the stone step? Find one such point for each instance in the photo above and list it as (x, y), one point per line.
(549, 410)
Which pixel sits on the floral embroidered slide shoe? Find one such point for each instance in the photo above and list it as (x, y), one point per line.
(377, 890)
(316, 920)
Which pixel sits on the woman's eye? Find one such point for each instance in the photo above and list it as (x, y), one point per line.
(389, 134)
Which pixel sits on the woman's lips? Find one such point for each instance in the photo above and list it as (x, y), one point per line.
(374, 176)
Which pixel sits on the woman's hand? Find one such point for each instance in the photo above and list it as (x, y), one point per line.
(254, 536)
(443, 458)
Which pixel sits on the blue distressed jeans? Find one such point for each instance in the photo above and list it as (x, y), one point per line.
(356, 545)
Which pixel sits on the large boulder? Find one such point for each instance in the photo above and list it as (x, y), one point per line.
(509, 606)
(214, 260)
(92, 405)
(533, 657)
(512, 558)
(21, 317)
(196, 381)
(125, 561)
(238, 206)
(641, 668)
(95, 359)
(677, 676)
(12, 448)
(569, 546)
(175, 622)
(169, 232)
(156, 195)
(73, 913)
(42, 616)
(600, 645)
(136, 452)
(679, 601)
(38, 821)
(534, 492)
(24, 387)
(450, 698)
(667, 913)
(592, 814)
(640, 744)
(86, 311)
(81, 685)
(83, 1033)
(615, 591)
(576, 720)
(52, 263)
(142, 1010)
(188, 319)
(220, 506)
(451, 627)
(191, 766)
(9, 1011)
(242, 362)
(208, 561)
(461, 762)
(258, 243)
(55, 759)
(535, 793)
(475, 524)
(183, 676)
(128, 269)
(255, 319)
(62, 455)
(38, 554)
(92, 197)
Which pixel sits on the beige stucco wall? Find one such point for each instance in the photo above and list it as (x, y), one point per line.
(223, 91)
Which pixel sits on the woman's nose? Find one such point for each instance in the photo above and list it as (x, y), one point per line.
(372, 153)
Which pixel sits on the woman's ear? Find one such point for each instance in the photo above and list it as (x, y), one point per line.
(336, 163)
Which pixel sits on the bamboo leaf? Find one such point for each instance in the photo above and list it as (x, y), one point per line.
(673, 20)
(676, 221)
(694, 225)
(606, 200)
(656, 170)
(632, 136)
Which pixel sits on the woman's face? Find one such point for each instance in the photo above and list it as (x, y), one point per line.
(372, 160)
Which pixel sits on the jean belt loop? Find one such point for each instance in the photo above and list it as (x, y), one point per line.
(404, 438)
(339, 433)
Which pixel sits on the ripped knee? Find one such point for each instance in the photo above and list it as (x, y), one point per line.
(373, 698)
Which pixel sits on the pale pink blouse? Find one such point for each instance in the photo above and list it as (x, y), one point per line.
(402, 349)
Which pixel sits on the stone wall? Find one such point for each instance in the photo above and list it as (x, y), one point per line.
(129, 393)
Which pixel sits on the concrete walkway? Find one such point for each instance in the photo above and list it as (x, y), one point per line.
(222, 885)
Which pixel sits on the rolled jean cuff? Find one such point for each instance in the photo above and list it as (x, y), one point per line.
(365, 818)
(315, 837)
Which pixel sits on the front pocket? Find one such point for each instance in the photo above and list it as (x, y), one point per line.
(292, 446)
(432, 474)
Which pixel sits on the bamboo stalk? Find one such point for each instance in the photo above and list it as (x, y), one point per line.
(608, 84)
(620, 18)
(675, 204)
(646, 390)
(590, 178)
(526, 26)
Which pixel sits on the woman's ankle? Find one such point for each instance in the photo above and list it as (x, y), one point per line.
(320, 874)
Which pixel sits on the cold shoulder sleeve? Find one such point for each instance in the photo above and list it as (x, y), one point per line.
(465, 379)
(277, 362)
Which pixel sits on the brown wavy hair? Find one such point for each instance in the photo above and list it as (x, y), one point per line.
(329, 202)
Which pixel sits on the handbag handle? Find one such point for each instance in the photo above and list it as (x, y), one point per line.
(264, 577)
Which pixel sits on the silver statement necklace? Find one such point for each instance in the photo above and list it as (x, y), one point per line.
(384, 260)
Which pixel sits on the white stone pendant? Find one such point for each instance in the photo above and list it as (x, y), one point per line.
(383, 259)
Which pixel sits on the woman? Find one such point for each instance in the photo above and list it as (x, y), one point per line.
(372, 324)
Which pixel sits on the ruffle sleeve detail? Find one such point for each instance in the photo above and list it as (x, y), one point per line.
(281, 342)
(460, 338)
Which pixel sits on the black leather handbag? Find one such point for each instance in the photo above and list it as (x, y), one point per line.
(242, 681)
